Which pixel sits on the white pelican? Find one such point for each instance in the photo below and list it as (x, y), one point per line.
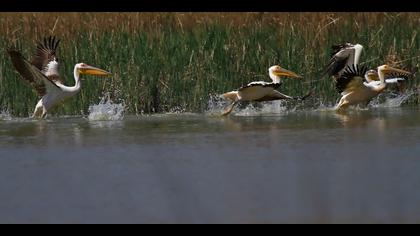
(261, 91)
(397, 80)
(42, 73)
(355, 90)
(344, 55)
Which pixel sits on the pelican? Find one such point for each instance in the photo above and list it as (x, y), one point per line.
(42, 73)
(344, 55)
(261, 91)
(355, 90)
(397, 80)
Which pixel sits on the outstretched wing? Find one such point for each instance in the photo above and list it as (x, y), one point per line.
(342, 56)
(256, 90)
(397, 76)
(46, 60)
(351, 79)
(41, 83)
(46, 52)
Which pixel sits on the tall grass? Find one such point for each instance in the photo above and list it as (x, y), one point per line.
(163, 61)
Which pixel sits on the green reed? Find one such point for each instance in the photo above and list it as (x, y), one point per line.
(165, 61)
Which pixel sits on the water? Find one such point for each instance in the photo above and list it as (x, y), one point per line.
(296, 166)
(106, 110)
(5, 115)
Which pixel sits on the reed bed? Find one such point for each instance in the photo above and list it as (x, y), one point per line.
(167, 61)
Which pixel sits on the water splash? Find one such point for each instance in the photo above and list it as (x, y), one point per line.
(267, 108)
(177, 110)
(390, 101)
(216, 105)
(5, 115)
(106, 110)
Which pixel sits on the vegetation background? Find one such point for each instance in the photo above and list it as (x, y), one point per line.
(167, 61)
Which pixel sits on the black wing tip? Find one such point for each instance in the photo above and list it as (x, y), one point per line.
(355, 70)
(343, 45)
(348, 74)
(405, 76)
(50, 43)
(334, 66)
(338, 46)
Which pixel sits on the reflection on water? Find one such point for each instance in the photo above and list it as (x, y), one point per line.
(315, 166)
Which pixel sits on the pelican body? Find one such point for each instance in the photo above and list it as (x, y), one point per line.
(343, 55)
(356, 90)
(43, 74)
(261, 91)
(394, 81)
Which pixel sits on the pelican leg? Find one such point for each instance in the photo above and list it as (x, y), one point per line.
(342, 105)
(229, 108)
(38, 112)
(44, 113)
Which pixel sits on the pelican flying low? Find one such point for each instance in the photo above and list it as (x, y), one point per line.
(395, 80)
(42, 73)
(343, 55)
(354, 88)
(261, 91)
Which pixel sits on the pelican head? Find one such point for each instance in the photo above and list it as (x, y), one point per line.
(371, 75)
(85, 69)
(358, 46)
(385, 69)
(277, 71)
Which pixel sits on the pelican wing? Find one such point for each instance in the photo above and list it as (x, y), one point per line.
(351, 79)
(396, 77)
(342, 56)
(41, 83)
(274, 95)
(259, 84)
(45, 53)
(395, 80)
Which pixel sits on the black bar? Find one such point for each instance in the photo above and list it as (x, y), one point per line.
(210, 5)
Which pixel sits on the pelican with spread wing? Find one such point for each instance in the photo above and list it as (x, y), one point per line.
(43, 74)
(261, 91)
(343, 55)
(356, 90)
(395, 81)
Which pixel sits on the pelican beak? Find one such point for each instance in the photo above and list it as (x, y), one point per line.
(391, 69)
(287, 73)
(90, 70)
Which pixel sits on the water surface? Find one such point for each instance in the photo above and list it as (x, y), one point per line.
(309, 167)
